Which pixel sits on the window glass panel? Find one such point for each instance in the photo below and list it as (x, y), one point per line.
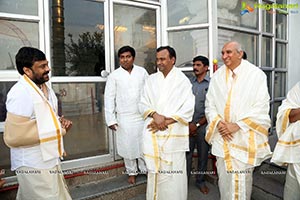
(281, 1)
(280, 61)
(187, 12)
(267, 21)
(137, 29)
(13, 35)
(4, 88)
(189, 44)
(238, 13)
(281, 23)
(26, 7)
(269, 82)
(5, 159)
(77, 38)
(249, 43)
(266, 51)
(275, 111)
(4, 153)
(83, 104)
(280, 84)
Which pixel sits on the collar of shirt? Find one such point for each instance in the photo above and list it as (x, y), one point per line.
(194, 79)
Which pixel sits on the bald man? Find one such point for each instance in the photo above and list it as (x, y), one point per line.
(237, 111)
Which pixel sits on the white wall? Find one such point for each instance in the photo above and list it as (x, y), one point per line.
(294, 47)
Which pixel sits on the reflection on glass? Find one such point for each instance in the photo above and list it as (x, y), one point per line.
(137, 29)
(267, 21)
(77, 38)
(83, 104)
(280, 51)
(249, 43)
(187, 12)
(4, 153)
(13, 35)
(188, 44)
(281, 25)
(279, 84)
(229, 12)
(26, 7)
(4, 88)
(266, 51)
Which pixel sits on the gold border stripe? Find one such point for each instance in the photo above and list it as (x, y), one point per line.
(285, 120)
(246, 149)
(227, 157)
(289, 143)
(171, 136)
(236, 187)
(155, 149)
(147, 113)
(179, 119)
(211, 128)
(256, 126)
(251, 149)
(153, 157)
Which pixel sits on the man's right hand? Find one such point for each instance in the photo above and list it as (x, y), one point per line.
(113, 127)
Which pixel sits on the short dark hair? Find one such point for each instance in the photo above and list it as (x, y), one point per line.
(126, 49)
(203, 59)
(26, 57)
(244, 55)
(171, 50)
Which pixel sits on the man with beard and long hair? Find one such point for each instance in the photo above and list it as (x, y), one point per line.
(34, 131)
(198, 124)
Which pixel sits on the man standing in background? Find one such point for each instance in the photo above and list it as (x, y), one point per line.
(237, 111)
(167, 105)
(197, 126)
(121, 97)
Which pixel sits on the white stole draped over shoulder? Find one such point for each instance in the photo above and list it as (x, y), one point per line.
(49, 127)
(288, 146)
(244, 101)
(172, 97)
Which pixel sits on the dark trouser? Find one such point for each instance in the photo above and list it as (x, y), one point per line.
(202, 150)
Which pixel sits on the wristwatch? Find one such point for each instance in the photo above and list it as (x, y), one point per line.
(198, 124)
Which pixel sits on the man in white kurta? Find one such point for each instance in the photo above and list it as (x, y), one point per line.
(122, 95)
(167, 105)
(287, 148)
(32, 109)
(237, 109)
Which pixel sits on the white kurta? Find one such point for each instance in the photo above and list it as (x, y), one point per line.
(121, 98)
(20, 102)
(164, 151)
(244, 100)
(26, 160)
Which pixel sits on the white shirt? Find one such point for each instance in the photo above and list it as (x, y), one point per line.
(19, 102)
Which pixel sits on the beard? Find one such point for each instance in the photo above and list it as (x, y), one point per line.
(40, 79)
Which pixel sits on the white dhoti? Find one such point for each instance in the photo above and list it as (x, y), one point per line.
(292, 183)
(39, 184)
(234, 184)
(170, 184)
